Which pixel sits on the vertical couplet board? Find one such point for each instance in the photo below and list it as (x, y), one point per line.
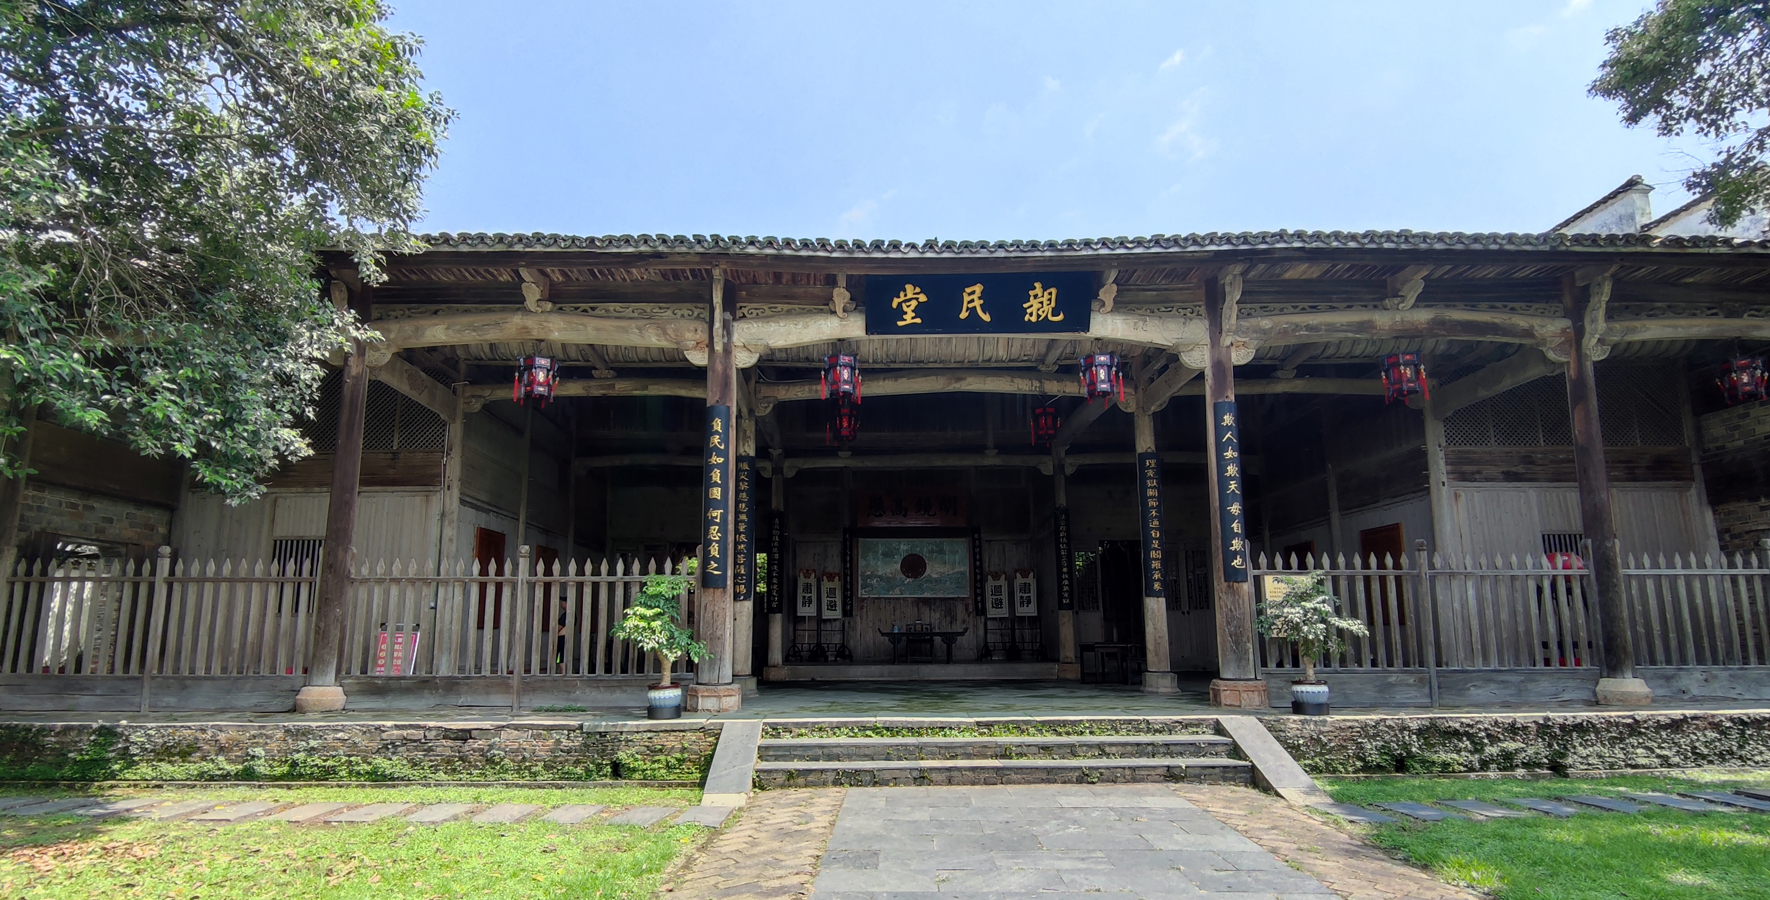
(977, 573)
(1226, 456)
(743, 532)
(847, 574)
(1066, 599)
(1149, 472)
(716, 499)
(773, 600)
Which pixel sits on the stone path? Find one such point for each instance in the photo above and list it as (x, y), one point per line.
(770, 853)
(1011, 841)
(1559, 808)
(217, 812)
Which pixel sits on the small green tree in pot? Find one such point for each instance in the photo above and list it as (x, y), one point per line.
(654, 625)
(1301, 609)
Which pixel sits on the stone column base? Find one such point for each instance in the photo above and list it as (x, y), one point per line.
(1238, 694)
(1161, 683)
(319, 698)
(1624, 692)
(747, 683)
(1069, 671)
(713, 698)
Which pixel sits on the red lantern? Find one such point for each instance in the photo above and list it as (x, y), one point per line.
(1403, 377)
(1101, 378)
(841, 387)
(1743, 380)
(535, 378)
(1044, 425)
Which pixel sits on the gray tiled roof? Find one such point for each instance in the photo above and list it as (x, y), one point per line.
(1213, 241)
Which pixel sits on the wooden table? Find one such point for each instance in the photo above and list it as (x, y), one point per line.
(1119, 653)
(904, 638)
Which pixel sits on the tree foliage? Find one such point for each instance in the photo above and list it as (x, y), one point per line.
(1701, 67)
(169, 169)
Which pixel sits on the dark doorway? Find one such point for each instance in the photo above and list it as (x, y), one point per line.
(488, 559)
(1121, 592)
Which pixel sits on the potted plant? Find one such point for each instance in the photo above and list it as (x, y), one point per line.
(654, 624)
(1301, 609)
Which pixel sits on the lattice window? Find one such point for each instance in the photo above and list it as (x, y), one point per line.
(391, 420)
(1087, 580)
(1639, 407)
(1188, 572)
(1562, 542)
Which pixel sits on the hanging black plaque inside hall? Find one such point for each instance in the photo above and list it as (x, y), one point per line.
(1002, 303)
(774, 599)
(847, 574)
(1066, 598)
(743, 531)
(977, 574)
(1149, 491)
(716, 499)
(1231, 497)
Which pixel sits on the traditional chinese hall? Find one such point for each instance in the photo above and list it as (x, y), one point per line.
(1526, 462)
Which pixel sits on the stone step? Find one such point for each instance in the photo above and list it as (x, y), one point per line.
(1142, 746)
(889, 773)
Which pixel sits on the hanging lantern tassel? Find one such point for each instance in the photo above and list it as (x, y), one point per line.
(1044, 425)
(1403, 377)
(1744, 380)
(1101, 378)
(536, 377)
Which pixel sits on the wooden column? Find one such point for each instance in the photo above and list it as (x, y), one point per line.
(454, 448)
(1068, 667)
(743, 608)
(331, 601)
(713, 690)
(522, 492)
(1618, 684)
(1446, 539)
(1336, 534)
(779, 571)
(12, 498)
(1158, 675)
(1238, 683)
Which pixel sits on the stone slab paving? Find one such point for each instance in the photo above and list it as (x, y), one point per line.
(307, 812)
(1350, 865)
(770, 853)
(1481, 809)
(170, 811)
(708, 816)
(505, 814)
(1357, 814)
(237, 812)
(643, 816)
(572, 814)
(1684, 803)
(437, 813)
(1730, 800)
(374, 812)
(996, 841)
(1755, 793)
(117, 807)
(1546, 807)
(63, 806)
(1607, 804)
(12, 803)
(1420, 811)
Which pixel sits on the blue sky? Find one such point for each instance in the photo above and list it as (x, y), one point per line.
(1025, 120)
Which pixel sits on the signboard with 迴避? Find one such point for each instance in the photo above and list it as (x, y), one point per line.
(1011, 303)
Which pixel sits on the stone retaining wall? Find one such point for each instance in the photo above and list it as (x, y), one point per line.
(520, 751)
(1556, 742)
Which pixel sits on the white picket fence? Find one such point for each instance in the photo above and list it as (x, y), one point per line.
(164, 617)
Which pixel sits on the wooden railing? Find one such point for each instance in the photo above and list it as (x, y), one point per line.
(1532, 613)
(231, 618)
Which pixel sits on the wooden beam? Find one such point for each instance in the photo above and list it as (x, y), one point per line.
(782, 332)
(477, 395)
(1373, 324)
(521, 325)
(1156, 395)
(625, 460)
(1366, 386)
(1523, 367)
(1686, 329)
(1079, 420)
(411, 381)
(934, 381)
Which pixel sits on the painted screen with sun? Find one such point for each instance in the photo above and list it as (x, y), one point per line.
(914, 567)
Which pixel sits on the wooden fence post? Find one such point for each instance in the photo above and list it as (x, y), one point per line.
(1429, 623)
(155, 644)
(519, 642)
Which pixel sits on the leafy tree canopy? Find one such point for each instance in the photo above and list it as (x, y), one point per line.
(168, 170)
(1701, 67)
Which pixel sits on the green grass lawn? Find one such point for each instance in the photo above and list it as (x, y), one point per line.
(65, 857)
(1651, 855)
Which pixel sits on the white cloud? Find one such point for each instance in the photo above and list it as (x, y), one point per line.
(1180, 57)
(1183, 138)
(862, 214)
(1052, 84)
(1575, 7)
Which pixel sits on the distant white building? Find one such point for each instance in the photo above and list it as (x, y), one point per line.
(1628, 209)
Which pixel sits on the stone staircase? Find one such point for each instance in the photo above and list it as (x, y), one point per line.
(1197, 755)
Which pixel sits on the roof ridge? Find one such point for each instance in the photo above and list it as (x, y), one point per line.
(1615, 192)
(1688, 204)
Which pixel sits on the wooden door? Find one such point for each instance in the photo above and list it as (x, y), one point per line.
(488, 558)
(1389, 546)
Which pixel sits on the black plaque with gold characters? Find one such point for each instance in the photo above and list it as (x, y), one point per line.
(1003, 303)
(1231, 495)
(1066, 598)
(716, 500)
(743, 532)
(1149, 476)
(774, 599)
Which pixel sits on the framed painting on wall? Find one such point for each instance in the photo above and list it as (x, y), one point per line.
(918, 567)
